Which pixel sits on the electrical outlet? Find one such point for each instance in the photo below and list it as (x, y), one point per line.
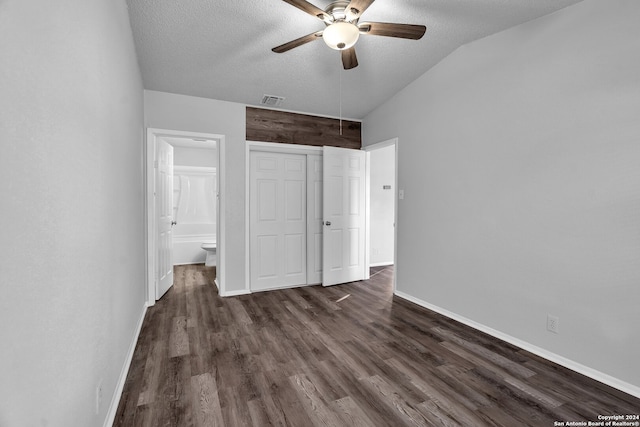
(553, 323)
(99, 397)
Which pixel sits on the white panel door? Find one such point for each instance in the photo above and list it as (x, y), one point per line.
(278, 220)
(164, 209)
(344, 177)
(314, 219)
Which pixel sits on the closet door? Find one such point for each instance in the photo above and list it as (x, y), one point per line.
(278, 220)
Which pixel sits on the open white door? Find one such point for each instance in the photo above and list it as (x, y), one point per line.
(164, 209)
(343, 242)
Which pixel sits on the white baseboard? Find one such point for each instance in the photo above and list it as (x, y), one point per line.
(235, 293)
(545, 354)
(380, 264)
(115, 399)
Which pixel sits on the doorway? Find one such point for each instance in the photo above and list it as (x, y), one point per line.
(180, 165)
(382, 199)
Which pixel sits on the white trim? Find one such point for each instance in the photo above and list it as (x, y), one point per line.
(152, 134)
(234, 293)
(395, 219)
(380, 264)
(117, 394)
(367, 214)
(205, 170)
(262, 107)
(545, 354)
(149, 208)
(221, 222)
(181, 142)
(281, 288)
(283, 148)
(247, 220)
(190, 263)
(377, 146)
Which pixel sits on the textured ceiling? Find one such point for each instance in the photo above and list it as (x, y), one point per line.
(221, 49)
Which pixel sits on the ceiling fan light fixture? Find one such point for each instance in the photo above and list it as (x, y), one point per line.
(341, 35)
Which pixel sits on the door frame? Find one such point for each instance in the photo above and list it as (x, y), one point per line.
(383, 144)
(273, 147)
(151, 249)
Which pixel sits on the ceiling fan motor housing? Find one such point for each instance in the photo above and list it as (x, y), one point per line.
(338, 10)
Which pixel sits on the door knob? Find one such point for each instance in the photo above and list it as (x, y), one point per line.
(327, 223)
(173, 223)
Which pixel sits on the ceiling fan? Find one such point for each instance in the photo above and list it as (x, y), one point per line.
(344, 29)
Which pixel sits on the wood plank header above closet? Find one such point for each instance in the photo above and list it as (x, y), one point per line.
(293, 128)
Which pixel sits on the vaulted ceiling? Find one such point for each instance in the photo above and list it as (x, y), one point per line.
(221, 49)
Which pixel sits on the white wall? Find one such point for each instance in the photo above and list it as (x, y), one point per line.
(200, 157)
(382, 164)
(520, 160)
(71, 252)
(188, 113)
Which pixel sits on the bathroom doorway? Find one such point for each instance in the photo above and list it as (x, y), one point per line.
(183, 205)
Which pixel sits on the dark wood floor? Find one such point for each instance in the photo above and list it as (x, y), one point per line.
(298, 357)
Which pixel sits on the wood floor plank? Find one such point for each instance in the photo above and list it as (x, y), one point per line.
(234, 407)
(363, 397)
(392, 399)
(313, 403)
(271, 405)
(205, 401)
(520, 405)
(287, 399)
(437, 392)
(298, 357)
(258, 413)
(179, 338)
(436, 415)
(351, 413)
(151, 378)
(501, 361)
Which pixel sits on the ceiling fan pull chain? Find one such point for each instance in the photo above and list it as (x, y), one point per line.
(340, 78)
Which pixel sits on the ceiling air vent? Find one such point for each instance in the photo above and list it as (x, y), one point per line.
(272, 101)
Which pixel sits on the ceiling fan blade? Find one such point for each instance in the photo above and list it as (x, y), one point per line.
(403, 31)
(297, 42)
(357, 7)
(312, 10)
(349, 59)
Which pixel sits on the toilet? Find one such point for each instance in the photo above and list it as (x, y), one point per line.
(212, 256)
